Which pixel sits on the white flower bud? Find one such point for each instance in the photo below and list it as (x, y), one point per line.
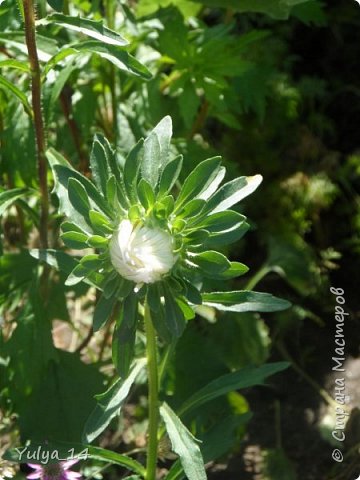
(141, 254)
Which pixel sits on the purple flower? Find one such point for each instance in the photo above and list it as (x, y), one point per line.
(54, 471)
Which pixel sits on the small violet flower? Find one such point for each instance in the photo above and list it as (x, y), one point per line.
(54, 471)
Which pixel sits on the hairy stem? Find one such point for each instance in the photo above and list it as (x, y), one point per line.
(153, 396)
(30, 36)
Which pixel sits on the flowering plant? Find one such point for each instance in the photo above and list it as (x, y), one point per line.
(154, 247)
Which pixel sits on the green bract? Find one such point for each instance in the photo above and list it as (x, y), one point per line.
(153, 238)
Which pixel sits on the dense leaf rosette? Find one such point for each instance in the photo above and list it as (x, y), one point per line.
(151, 237)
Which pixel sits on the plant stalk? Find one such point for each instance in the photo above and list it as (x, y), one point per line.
(30, 36)
(153, 396)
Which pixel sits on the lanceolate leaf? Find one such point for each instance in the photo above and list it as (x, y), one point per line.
(232, 193)
(156, 151)
(55, 258)
(199, 180)
(174, 317)
(132, 166)
(119, 57)
(16, 64)
(8, 197)
(99, 162)
(112, 457)
(170, 175)
(62, 171)
(11, 88)
(244, 301)
(65, 263)
(244, 378)
(78, 197)
(103, 311)
(184, 444)
(124, 336)
(110, 403)
(211, 262)
(91, 28)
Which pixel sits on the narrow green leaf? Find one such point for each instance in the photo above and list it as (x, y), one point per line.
(169, 175)
(146, 194)
(213, 185)
(192, 293)
(78, 197)
(156, 151)
(174, 317)
(184, 444)
(120, 58)
(10, 87)
(244, 378)
(91, 261)
(97, 241)
(99, 163)
(116, 201)
(86, 266)
(199, 180)
(103, 311)
(233, 192)
(224, 227)
(112, 457)
(91, 28)
(65, 263)
(192, 209)
(124, 336)
(62, 171)
(8, 197)
(55, 258)
(244, 301)
(236, 270)
(100, 223)
(46, 47)
(110, 403)
(75, 240)
(210, 262)
(221, 221)
(77, 275)
(56, 89)
(132, 168)
(16, 64)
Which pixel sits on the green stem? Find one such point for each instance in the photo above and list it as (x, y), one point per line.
(153, 396)
(320, 391)
(30, 36)
(66, 10)
(259, 275)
